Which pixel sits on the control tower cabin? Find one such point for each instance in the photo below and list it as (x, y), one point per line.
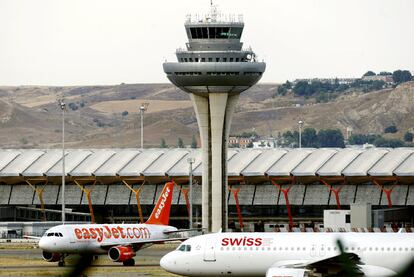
(214, 70)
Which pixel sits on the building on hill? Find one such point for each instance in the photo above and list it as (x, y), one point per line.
(341, 81)
(386, 78)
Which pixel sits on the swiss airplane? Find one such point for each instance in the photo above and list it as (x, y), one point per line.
(119, 241)
(292, 254)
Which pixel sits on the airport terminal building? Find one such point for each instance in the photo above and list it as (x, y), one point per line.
(272, 185)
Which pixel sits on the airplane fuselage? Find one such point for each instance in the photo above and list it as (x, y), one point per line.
(252, 254)
(92, 238)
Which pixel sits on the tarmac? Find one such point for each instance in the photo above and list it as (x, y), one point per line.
(26, 260)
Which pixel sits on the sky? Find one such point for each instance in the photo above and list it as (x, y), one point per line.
(105, 42)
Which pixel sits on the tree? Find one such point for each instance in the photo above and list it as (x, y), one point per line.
(369, 73)
(180, 143)
(331, 138)
(401, 76)
(384, 73)
(194, 142)
(360, 139)
(291, 139)
(163, 144)
(408, 137)
(391, 129)
(309, 138)
(383, 142)
(124, 113)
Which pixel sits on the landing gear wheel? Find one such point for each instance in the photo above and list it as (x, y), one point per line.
(130, 262)
(61, 263)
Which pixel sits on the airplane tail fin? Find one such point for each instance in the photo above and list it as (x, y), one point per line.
(161, 213)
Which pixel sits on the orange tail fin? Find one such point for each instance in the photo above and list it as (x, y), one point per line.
(161, 213)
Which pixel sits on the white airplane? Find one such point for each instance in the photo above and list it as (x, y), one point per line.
(120, 241)
(292, 254)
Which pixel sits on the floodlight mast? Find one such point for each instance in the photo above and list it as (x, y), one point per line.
(142, 109)
(63, 108)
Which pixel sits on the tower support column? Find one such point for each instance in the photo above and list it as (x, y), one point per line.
(202, 111)
(214, 114)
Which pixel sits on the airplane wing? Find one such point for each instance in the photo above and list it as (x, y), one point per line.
(139, 243)
(167, 232)
(347, 264)
(32, 237)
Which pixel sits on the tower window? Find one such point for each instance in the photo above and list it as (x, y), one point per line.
(203, 60)
(224, 59)
(237, 60)
(231, 59)
(185, 59)
(217, 60)
(210, 59)
(204, 32)
(193, 33)
(191, 60)
(196, 60)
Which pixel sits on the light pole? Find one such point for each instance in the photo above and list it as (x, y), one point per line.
(300, 123)
(190, 174)
(142, 109)
(63, 108)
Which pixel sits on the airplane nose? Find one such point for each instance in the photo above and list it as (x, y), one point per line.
(166, 263)
(42, 243)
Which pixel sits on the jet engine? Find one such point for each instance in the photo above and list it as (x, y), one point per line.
(121, 253)
(291, 272)
(51, 257)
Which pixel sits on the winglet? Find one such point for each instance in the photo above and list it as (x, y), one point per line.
(161, 213)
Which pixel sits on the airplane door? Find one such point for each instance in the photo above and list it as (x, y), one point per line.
(210, 250)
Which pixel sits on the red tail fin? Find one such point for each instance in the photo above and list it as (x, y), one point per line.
(161, 213)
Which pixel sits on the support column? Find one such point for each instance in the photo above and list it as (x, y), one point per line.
(202, 111)
(218, 103)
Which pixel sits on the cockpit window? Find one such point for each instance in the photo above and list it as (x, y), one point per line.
(60, 235)
(50, 234)
(184, 248)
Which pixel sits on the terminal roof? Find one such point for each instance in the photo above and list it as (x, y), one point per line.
(168, 163)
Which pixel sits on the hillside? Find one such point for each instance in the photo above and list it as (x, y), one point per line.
(30, 116)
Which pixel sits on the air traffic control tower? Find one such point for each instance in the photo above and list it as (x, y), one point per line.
(214, 69)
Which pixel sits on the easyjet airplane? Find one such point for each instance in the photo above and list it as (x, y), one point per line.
(291, 254)
(120, 241)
